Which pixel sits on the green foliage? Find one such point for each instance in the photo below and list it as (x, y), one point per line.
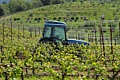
(89, 24)
(22, 5)
(1, 11)
(29, 5)
(17, 6)
(46, 2)
(31, 14)
(60, 61)
(37, 3)
(57, 1)
(4, 10)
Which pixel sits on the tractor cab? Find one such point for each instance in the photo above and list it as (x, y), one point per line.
(55, 32)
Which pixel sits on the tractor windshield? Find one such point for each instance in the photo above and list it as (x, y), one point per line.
(54, 32)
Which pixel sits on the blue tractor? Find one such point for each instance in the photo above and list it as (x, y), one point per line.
(55, 32)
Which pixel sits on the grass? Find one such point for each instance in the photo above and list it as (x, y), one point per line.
(92, 11)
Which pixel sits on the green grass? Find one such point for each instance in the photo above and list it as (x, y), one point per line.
(92, 11)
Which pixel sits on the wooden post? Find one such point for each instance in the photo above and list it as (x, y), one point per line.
(18, 32)
(39, 30)
(91, 37)
(35, 32)
(2, 53)
(111, 45)
(30, 32)
(111, 39)
(95, 31)
(79, 36)
(100, 36)
(95, 37)
(23, 31)
(115, 40)
(11, 31)
(102, 40)
(119, 29)
(3, 32)
(88, 37)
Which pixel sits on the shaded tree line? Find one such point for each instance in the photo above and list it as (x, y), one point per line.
(22, 5)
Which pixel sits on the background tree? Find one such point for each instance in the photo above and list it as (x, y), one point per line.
(36, 3)
(29, 5)
(4, 10)
(57, 1)
(17, 5)
(1, 11)
(4, 2)
(46, 2)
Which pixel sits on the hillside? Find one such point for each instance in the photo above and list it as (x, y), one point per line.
(77, 15)
(23, 56)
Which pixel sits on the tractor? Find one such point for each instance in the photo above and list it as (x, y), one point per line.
(55, 32)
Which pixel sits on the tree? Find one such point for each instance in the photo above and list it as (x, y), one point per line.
(36, 3)
(4, 2)
(74, 0)
(29, 5)
(46, 2)
(4, 9)
(1, 11)
(57, 1)
(17, 5)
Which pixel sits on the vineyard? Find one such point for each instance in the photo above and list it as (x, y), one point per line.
(20, 59)
(21, 56)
